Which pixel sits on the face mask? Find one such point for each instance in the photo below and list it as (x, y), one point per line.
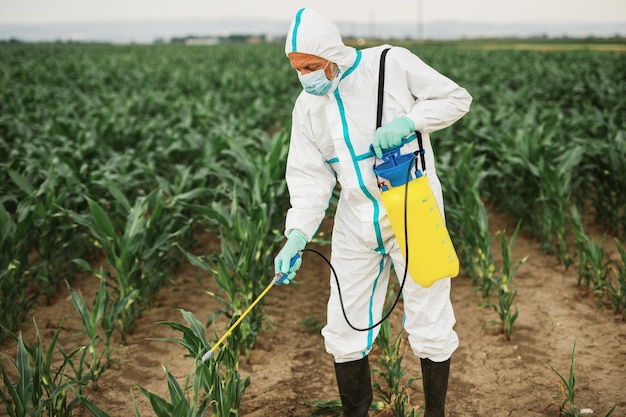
(316, 83)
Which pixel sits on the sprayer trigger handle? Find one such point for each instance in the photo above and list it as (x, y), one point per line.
(280, 277)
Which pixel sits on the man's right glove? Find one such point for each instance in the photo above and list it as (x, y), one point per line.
(390, 135)
(282, 262)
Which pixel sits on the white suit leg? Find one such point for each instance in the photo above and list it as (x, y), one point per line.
(363, 277)
(428, 315)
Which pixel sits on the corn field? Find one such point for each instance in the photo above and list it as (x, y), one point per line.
(113, 159)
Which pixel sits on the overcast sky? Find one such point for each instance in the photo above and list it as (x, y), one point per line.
(493, 11)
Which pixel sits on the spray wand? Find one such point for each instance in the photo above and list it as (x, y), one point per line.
(278, 279)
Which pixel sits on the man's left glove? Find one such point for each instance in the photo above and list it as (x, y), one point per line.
(282, 262)
(390, 135)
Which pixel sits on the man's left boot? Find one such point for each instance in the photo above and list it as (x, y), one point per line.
(435, 381)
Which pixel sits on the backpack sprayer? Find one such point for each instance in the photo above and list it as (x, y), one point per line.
(415, 216)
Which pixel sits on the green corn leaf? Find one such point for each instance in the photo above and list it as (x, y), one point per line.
(86, 266)
(135, 226)
(23, 368)
(181, 408)
(188, 341)
(38, 365)
(92, 408)
(81, 306)
(195, 260)
(174, 389)
(21, 182)
(13, 403)
(119, 196)
(160, 407)
(190, 195)
(195, 326)
(102, 226)
(101, 302)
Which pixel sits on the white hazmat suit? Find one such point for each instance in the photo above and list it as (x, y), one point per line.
(330, 142)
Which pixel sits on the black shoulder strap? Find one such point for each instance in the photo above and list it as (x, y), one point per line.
(381, 88)
(379, 110)
(421, 151)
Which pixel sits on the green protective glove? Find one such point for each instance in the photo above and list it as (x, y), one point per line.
(390, 135)
(294, 245)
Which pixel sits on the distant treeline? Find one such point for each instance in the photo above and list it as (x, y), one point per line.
(250, 38)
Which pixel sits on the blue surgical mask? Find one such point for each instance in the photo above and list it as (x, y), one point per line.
(316, 83)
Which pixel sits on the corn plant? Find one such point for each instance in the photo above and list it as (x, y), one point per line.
(554, 199)
(56, 238)
(243, 267)
(15, 302)
(506, 294)
(593, 267)
(483, 264)
(607, 163)
(98, 325)
(216, 384)
(139, 254)
(618, 291)
(179, 405)
(394, 394)
(467, 217)
(41, 389)
(245, 217)
(567, 386)
(568, 389)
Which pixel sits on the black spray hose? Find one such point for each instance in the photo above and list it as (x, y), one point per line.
(406, 266)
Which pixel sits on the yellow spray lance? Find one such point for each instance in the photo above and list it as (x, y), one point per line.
(277, 280)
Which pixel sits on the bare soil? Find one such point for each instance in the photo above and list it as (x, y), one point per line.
(289, 367)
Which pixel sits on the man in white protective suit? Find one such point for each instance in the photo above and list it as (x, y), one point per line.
(333, 134)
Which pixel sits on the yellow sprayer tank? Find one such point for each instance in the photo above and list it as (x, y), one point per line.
(431, 253)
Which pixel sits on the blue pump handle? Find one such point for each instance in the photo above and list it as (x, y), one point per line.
(388, 152)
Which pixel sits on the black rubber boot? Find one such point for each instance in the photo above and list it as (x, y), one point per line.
(355, 387)
(435, 380)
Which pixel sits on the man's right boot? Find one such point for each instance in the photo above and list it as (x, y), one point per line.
(355, 387)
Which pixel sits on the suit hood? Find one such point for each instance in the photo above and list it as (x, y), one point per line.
(313, 34)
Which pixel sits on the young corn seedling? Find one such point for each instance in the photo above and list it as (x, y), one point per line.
(395, 395)
(593, 268)
(567, 387)
(56, 238)
(618, 291)
(138, 254)
(482, 260)
(553, 201)
(15, 303)
(98, 325)
(506, 294)
(467, 218)
(609, 193)
(244, 266)
(178, 405)
(218, 380)
(41, 389)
